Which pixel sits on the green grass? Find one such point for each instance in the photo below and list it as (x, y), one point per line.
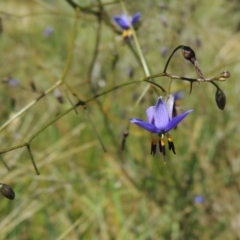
(83, 192)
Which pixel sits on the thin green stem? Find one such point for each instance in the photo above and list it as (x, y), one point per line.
(169, 59)
(94, 129)
(83, 9)
(72, 92)
(113, 89)
(137, 44)
(71, 47)
(95, 53)
(35, 14)
(129, 43)
(51, 122)
(102, 4)
(4, 163)
(32, 159)
(13, 148)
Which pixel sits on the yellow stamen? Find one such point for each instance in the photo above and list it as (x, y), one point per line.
(170, 143)
(153, 146)
(169, 138)
(162, 142)
(127, 33)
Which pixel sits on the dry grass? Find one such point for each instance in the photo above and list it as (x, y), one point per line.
(84, 193)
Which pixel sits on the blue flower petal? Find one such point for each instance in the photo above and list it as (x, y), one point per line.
(150, 114)
(161, 114)
(175, 121)
(135, 18)
(122, 21)
(147, 126)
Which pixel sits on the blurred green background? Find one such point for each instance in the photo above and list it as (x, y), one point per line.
(83, 192)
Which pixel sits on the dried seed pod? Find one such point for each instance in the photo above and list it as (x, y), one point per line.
(224, 75)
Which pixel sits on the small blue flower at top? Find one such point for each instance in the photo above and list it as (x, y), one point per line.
(125, 22)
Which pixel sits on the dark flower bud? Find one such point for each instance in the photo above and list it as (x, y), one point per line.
(220, 99)
(188, 53)
(7, 191)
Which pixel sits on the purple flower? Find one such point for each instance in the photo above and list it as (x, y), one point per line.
(160, 119)
(48, 31)
(125, 22)
(13, 82)
(199, 199)
(160, 122)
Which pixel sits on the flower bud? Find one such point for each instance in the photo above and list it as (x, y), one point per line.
(188, 53)
(224, 75)
(7, 191)
(220, 99)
